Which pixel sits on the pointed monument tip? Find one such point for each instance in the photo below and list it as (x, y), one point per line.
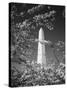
(41, 28)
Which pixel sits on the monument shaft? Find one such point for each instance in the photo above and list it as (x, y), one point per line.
(41, 58)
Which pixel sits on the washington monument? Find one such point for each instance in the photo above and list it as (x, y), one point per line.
(41, 54)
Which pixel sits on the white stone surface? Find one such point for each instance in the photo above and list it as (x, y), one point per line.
(41, 57)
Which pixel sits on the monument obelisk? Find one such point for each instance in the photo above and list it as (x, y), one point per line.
(41, 57)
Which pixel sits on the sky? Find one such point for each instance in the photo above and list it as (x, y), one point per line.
(59, 27)
(58, 34)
